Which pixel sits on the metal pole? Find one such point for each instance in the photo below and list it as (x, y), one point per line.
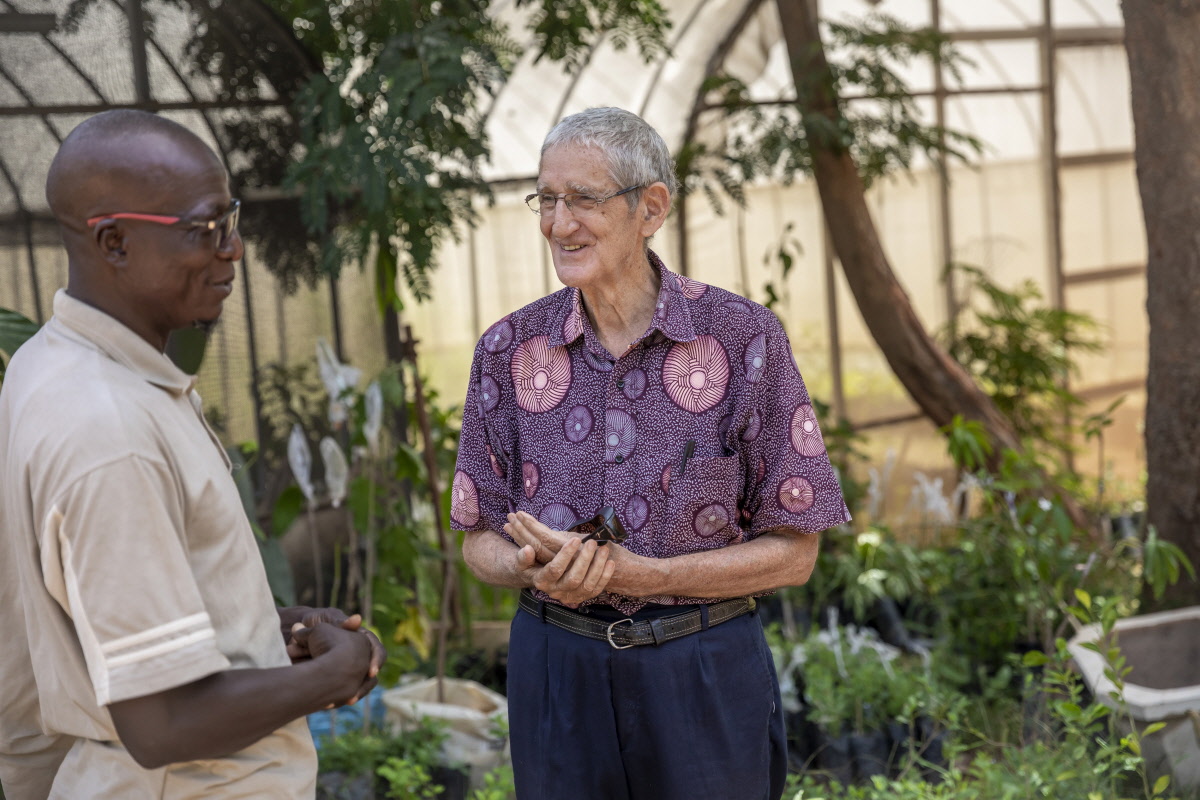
(137, 45)
(831, 312)
(33, 274)
(335, 310)
(947, 238)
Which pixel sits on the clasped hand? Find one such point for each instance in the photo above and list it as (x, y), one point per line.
(312, 632)
(560, 563)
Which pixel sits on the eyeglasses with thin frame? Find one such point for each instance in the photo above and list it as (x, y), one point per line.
(581, 204)
(226, 224)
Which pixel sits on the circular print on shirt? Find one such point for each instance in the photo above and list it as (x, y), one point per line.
(635, 383)
(806, 436)
(498, 337)
(497, 467)
(753, 427)
(598, 363)
(662, 309)
(531, 476)
(740, 306)
(558, 516)
(637, 511)
(489, 393)
(710, 519)
(696, 374)
(689, 288)
(464, 500)
(665, 480)
(541, 374)
(572, 326)
(754, 359)
(796, 494)
(620, 435)
(578, 424)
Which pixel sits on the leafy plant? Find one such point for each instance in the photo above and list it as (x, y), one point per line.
(1021, 352)
(403, 762)
(15, 330)
(884, 135)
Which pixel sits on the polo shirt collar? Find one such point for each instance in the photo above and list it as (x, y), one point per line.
(120, 343)
(673, 315)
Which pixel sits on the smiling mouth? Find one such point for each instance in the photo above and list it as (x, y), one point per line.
(571, 248)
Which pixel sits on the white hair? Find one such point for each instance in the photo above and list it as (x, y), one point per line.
(636, 154)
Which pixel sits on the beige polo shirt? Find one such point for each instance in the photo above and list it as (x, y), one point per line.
(127, 567)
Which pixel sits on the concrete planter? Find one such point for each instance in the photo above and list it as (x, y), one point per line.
(1163, 652)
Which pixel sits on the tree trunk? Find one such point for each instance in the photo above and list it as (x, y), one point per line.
(1164, 71)
(937, 383)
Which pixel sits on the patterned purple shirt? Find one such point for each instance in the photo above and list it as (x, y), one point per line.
(554, 427)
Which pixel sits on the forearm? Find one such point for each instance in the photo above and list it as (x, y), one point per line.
(770, 561)
(491, 559)
(223, 713)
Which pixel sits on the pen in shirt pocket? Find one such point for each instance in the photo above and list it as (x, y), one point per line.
(688, 450)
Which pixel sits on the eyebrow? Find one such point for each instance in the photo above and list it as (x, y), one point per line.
(576, 188)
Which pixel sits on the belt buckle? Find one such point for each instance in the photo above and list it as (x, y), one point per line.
(609, 634)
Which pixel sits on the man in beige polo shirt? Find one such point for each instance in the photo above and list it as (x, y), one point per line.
(141, 654)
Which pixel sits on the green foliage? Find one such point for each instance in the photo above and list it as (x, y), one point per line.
(1162, 563)
(403, 761)
(1021, 353)
(498, 784)
(393, 130)
(568, 32)
(884, 132)
(14, 331)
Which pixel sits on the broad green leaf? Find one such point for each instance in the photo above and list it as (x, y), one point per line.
(15, 330)
(1161, 784)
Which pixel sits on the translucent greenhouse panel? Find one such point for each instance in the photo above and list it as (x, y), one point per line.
(871, 389)
(999, 221)
(508, 248)
(1101, 217)
(1010, 125)
(101, 31)
(1087, 13)
(28, 146)
(910, 12)
(997, 65)
(45, 76)
(905, 209)
(1120, 307)
(958, 16)
(1094, 113)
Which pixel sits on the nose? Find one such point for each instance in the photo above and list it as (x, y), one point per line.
(562, 223)
(232, 247)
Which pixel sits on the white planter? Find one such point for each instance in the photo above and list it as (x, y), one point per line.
(1163, 652)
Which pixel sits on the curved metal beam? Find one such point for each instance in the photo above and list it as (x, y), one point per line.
(662, 65)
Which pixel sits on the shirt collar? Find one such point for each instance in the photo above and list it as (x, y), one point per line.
(120, 343)
(672, 316)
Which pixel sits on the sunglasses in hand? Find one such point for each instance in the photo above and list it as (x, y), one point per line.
(604, 527)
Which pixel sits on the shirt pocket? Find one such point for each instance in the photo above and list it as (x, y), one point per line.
(703, 504)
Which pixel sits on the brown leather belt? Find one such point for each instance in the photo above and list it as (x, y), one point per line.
(625, 633)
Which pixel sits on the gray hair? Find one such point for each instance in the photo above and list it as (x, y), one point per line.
(636, 153)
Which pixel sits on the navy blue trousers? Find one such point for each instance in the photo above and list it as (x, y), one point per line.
(697, 718)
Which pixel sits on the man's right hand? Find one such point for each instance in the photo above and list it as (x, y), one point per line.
(347, 654)
(579, 571)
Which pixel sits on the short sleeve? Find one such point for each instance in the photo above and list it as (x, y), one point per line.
(480, 495)
(790, 482)
(114, 556)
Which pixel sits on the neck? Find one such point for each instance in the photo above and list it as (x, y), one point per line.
(621, 311)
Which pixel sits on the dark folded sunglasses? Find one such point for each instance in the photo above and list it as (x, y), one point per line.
(603, 527)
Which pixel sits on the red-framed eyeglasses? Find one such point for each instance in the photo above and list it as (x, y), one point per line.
(226, 223)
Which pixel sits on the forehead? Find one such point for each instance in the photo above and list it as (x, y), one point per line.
(569, 167)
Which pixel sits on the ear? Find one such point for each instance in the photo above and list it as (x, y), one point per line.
(110, 239)
(656, 201)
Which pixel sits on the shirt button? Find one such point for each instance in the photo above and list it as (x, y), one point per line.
(621, 384)
(620, 458)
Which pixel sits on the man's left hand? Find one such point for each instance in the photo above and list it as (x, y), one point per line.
(305, 617)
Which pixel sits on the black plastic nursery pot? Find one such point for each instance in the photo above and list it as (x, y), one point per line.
(834, 757)
(870, 754)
